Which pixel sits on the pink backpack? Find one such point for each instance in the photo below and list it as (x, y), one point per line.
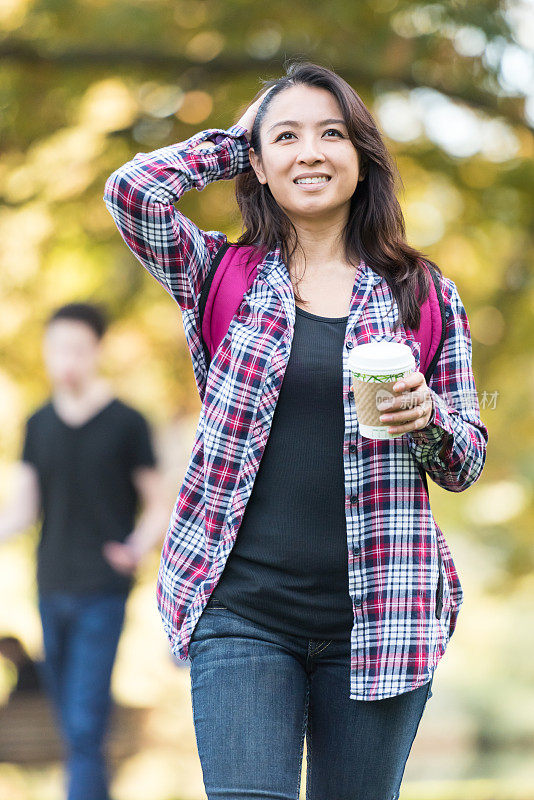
(230, 277)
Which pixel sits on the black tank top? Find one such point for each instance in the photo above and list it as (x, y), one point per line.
(288, 569)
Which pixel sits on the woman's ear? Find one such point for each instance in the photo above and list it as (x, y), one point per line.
(255, 163)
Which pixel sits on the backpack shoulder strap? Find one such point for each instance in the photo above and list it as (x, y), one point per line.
(204, 295)
(431, 331)
(232, 272)
(431, 335)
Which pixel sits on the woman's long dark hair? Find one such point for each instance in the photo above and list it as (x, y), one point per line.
(375, 230)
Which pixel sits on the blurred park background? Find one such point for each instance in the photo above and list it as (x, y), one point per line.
(84, 85)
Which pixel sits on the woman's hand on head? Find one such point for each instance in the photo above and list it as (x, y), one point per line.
(247, 119)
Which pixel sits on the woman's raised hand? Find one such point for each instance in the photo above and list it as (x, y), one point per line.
(247, 119)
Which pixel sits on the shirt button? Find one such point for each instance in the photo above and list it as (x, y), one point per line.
(350, 395)
(349, 345)
(356, 550)
(353, 498)
(358, 601)
(352, 448)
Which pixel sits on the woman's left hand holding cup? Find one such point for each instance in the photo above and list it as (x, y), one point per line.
(411, 410)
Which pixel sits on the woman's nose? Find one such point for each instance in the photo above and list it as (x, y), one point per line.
(310, 151)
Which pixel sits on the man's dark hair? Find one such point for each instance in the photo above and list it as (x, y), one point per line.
(92, 314)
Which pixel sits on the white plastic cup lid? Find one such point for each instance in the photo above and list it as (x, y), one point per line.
(381, 358)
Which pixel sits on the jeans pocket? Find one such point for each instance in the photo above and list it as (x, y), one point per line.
(204, 624)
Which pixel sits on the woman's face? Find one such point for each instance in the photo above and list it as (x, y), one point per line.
(303, 132)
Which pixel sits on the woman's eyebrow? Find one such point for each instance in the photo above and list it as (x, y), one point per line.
(298, 124)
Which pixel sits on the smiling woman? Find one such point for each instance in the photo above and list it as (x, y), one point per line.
(312, 131)
(303, 572)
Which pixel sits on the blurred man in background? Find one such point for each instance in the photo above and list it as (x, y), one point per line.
(87, 464)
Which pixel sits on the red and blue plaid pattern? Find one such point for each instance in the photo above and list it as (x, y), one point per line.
(399, 633)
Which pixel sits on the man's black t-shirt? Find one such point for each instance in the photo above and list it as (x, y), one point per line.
(87, 493)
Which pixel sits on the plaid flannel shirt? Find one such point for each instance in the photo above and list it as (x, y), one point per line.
(400, 629)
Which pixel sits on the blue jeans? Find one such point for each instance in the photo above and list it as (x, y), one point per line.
(80, 635)
(256, 694)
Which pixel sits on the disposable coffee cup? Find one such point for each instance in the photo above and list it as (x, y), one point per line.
(375, 368)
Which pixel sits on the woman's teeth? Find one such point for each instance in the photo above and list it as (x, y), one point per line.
(312, 180)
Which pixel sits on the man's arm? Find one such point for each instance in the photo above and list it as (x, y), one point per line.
(24, 508)
(151, 525)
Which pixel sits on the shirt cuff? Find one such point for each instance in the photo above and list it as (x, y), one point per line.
(237, 130)
(233, 130)
(215, 140)
(438, 425)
